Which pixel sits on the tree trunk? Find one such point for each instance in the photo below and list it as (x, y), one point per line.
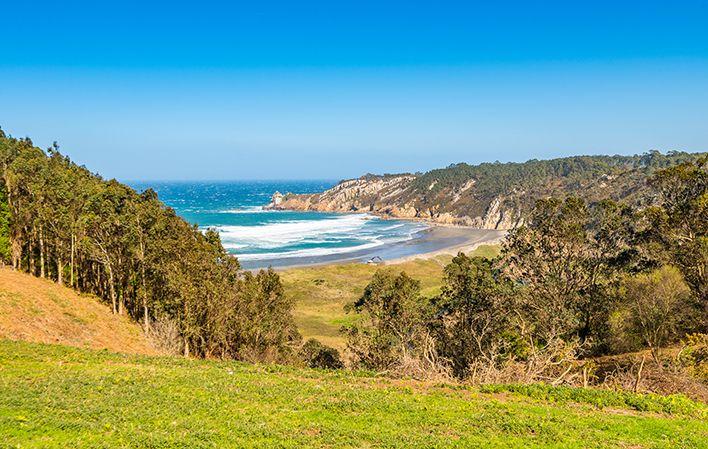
(186, 347)
(112, 288)
(30, 259)
(144, 287)
(72, 259)
(16, 254)
(41, 254)
(60, 271)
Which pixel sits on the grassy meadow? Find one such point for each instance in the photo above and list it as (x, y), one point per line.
(54, 396)
(320, 293)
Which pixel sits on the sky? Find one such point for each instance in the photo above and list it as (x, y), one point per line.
(329, 90)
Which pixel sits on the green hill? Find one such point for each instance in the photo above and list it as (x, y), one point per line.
(57, 396)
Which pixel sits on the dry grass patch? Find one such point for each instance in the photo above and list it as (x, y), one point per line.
(320, 293)
(41, 311)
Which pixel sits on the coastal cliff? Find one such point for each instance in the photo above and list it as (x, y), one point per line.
(490, 195)
(386, 197)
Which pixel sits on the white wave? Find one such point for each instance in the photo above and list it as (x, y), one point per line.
(243, 210)
(392, 227)
(310, 252)
(285, 233)
(276, 236)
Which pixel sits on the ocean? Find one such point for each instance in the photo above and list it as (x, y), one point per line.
(261, 238)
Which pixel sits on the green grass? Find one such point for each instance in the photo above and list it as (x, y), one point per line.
(671, 404)
(56, 396)
(321, 292)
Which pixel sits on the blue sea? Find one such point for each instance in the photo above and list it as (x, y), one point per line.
(279, 238)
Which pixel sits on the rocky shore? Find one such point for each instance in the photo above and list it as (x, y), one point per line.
(387, 197)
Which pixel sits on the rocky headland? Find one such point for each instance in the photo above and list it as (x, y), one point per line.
(490, 195)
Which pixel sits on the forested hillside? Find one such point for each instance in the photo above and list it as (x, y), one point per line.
(61, 222)
(576, 285)
(494, 195)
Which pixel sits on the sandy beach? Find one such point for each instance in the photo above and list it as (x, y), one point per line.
(431, 242)
(473, 238)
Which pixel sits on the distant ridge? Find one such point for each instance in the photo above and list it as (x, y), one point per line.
(490, 195)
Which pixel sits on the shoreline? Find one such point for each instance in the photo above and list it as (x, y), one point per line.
(495, 237)
(436, 240)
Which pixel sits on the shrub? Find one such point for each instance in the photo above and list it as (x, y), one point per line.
(695, 356)
(658, 306)
(318, 355)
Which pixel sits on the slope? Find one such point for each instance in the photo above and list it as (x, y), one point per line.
(490, 195)
(39, 310)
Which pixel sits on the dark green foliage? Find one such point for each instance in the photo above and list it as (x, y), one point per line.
(473, 314)
(60, 221)
(395, 323)
(317, 355)
(262, 319)
(5, 217)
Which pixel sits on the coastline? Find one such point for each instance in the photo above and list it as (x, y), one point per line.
(436, 240)
(474, 240)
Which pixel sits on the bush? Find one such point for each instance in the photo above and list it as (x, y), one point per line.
(317, 355)
(695, 356)
(658, 306)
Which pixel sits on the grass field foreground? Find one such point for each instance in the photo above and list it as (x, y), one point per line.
(55, 396)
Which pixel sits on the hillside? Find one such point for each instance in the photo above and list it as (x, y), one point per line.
(39, 310)
(490, 195)
(56, 396)
(61, 222)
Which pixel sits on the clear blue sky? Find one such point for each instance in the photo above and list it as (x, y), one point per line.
(234, 90)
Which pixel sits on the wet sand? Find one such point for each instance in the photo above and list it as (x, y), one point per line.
(431, 242)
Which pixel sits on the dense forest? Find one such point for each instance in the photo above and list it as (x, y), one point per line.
(577, 283)
(62, 222)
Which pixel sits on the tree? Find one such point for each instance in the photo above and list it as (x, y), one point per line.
(563, 269)
(659, 308)
(473, 313)
(261, 300)
(394, 321)
(680, 224)
(135, 253)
